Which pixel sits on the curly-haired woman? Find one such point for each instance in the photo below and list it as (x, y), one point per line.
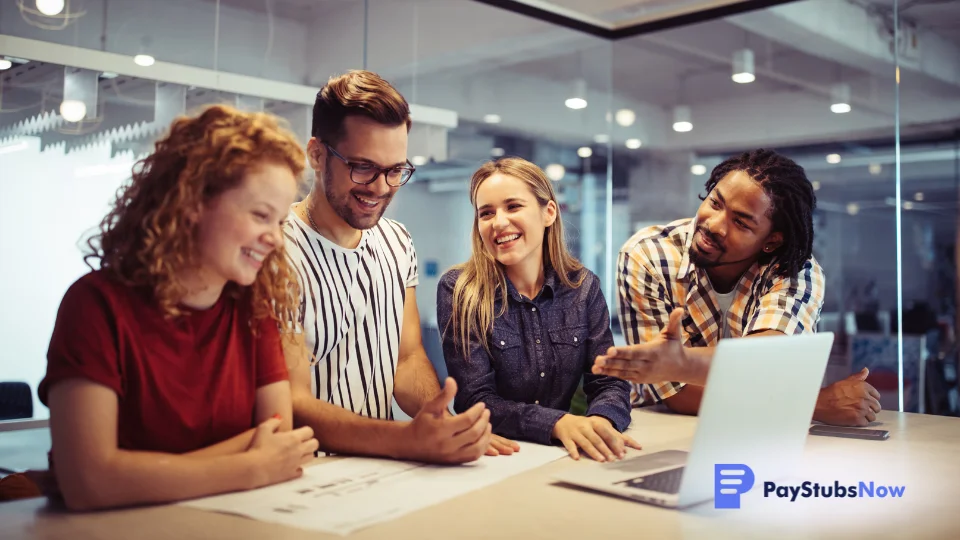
(165, 376)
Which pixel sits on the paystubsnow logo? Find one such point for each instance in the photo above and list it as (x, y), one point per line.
(731, 480)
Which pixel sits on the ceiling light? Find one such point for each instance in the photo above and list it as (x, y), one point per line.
(72, 110)
(418, 160)
(50, 7)
(698, 169)
(633, 144)
(5, 64)
(743, 67)
(555, 172)
(875, 169)
(833, 159)
(840, 94)
(625, 117)
(601, 138)
(497, 152)
(579, 98)
(853, 209)
(491, 118)
(584, 151)
(144, 60)
(918, 196)
(109, 75)
(681, 119)
(816, 185)
(908, 205)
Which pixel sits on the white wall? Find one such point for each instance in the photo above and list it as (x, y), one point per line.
(45, 210)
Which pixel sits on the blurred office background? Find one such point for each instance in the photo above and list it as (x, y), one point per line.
(627, 104)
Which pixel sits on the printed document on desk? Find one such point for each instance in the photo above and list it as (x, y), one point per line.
(353, 493)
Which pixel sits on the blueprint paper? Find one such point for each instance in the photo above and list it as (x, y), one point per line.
(352, 493)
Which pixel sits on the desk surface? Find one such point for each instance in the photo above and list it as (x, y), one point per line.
(921, 454)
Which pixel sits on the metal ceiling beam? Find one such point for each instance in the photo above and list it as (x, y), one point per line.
(545, 11)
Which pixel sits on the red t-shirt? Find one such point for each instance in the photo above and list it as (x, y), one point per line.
(183, 383)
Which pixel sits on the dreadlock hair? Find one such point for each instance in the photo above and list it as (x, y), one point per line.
(793, 200)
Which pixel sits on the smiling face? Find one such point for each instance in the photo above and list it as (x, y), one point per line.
(240, 227)
(510, 220)
(734, 224)
(364, 141)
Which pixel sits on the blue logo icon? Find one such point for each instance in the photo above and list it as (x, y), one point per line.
(730, 480)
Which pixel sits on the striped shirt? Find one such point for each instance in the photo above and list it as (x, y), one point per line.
(655, 275)
(352, 311)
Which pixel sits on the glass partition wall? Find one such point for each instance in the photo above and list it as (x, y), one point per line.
(626, 105)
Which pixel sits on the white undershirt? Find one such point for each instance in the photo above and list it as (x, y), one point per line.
(725, 301)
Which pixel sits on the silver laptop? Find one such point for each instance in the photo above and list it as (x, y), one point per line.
(756, 410)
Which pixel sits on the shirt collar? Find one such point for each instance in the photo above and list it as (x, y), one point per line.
(549, 285)
(686, 266)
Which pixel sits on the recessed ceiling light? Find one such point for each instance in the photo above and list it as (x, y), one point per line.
(418, 160)
(853, 209)
(875, 169)
(497, 152)
(584, 151)
(601, 138)
(5, 64)
(576, 103)
(918, 196)
(698, 169)
(555, 172)
(908, 205)
(633, 144)
(50, 7)
(491, 118)
(625, 117)
(144, 60)
(816, 185)
(72, 110)
(833, 158)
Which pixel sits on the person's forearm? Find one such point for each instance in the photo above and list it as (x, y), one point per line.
(343, 432)
(696, 366)
(516, 420)
(687, 400)
(233, 445)
(415, 383)
(129, 478)
(608, 397)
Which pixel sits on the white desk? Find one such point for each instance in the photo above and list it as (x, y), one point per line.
(923, 453)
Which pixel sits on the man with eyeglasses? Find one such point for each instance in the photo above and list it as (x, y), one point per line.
(359, 348)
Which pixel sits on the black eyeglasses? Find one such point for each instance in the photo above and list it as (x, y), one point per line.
(364, 173)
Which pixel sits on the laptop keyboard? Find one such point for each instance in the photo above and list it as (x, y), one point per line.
(663, 482)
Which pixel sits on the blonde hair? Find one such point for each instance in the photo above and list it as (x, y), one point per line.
(482, 278)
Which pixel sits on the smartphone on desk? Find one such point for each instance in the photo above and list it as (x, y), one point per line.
(850, 432)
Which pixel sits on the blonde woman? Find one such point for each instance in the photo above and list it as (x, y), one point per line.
(522, 321)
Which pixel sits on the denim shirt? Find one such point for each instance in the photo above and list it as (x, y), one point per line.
(539, 350)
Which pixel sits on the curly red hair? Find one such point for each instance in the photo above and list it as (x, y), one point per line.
(150, 235)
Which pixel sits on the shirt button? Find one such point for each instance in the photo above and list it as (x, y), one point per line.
(574, 340)
(537, 402)
(502, 343)
(542, 374)
(538, 341)
(533, 309)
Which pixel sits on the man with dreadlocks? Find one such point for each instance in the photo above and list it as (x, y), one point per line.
(743, 267)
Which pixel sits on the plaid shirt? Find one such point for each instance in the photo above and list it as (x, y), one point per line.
(655, 275)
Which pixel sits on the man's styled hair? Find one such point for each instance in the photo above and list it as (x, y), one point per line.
(361, 93)
(793, 198)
